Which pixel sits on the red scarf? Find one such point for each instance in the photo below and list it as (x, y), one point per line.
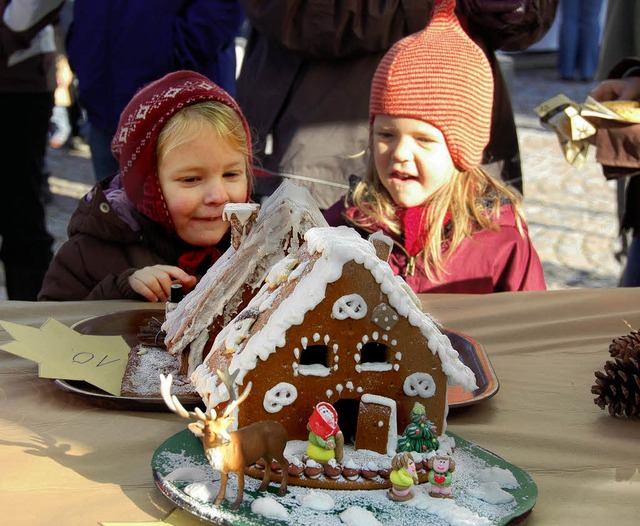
(413, 222)
(190, 261)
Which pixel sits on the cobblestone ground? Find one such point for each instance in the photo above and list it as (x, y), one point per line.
(571, 212)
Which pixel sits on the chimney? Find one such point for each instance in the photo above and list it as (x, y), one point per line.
(242, 217)
(382, 244)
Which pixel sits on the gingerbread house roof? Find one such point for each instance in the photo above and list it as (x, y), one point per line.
(282, 221)
(328, 250)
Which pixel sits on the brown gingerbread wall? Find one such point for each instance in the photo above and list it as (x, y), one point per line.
(415, 356)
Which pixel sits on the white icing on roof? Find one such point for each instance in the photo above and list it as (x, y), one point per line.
(283, 218)
(242, 211)
(335, 247)
(380, 236)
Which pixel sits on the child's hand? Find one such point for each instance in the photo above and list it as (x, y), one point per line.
(154, 283)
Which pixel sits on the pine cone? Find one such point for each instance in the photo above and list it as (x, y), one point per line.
(618, 387)
(628, 344)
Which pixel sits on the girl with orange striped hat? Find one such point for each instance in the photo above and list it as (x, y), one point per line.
(455, 228)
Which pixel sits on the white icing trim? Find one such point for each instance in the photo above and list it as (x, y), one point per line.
(314, 369)
(279, 396)
(419, 384)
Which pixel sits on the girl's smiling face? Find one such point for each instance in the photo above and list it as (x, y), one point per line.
(411, 157)
(197, 178)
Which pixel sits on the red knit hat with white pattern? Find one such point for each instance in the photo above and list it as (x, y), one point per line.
(142, 120)
(439, 75)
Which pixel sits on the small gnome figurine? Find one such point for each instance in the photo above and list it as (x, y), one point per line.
(326, 441)
(440, 475)
(403, 476)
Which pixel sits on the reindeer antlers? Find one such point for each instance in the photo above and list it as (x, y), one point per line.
(228, 380)
(172, 400)
(174, 404)
(234, 400)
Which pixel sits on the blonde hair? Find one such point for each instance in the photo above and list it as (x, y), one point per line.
(473, 198)
(216, 116)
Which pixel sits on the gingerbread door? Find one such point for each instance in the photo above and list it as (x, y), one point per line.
(377, 427)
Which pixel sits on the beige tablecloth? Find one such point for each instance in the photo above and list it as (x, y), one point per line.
(65, 461)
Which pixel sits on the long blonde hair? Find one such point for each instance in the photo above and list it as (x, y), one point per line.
(473, 198)
(216, 116)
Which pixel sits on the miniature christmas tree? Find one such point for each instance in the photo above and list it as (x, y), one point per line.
(419, 435)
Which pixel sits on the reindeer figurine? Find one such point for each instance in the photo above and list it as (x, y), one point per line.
(235, 450)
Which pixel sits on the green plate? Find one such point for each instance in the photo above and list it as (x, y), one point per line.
(184, 450)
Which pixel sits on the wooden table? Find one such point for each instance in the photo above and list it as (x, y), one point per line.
(63, 460)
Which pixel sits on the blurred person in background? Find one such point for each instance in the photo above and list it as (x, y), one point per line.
(579, 42)
(115, 47)
(27, 83)
(304, 82)
(618, 151)
(620, 39)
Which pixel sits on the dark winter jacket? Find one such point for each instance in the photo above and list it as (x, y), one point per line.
(618, 151)
(37, 73)
(306, 76)
(486, 262)
(117, 46)
(108, 241)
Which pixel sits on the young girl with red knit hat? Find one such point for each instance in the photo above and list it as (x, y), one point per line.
(184, 151)
(455, 228)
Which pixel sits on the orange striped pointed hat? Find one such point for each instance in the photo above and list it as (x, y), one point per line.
(439, 75)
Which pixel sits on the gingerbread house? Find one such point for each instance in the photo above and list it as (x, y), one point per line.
(261, 236)
(332, 323)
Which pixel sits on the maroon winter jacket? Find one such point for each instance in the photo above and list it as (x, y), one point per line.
(486, 262)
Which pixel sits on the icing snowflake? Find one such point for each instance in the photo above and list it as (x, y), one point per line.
(279, 396)
(419, 384)
(350, 306)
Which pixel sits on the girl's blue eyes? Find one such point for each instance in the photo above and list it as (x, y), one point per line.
(229, 175)
(195, 179)
(390, 135)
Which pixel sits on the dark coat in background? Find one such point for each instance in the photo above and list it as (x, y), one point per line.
(27, 83)
(36, 74)
(306, 75)
(618, 151)
(117, 46)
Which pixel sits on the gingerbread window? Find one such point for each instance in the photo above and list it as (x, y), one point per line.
(314, 361)
(375, 356)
